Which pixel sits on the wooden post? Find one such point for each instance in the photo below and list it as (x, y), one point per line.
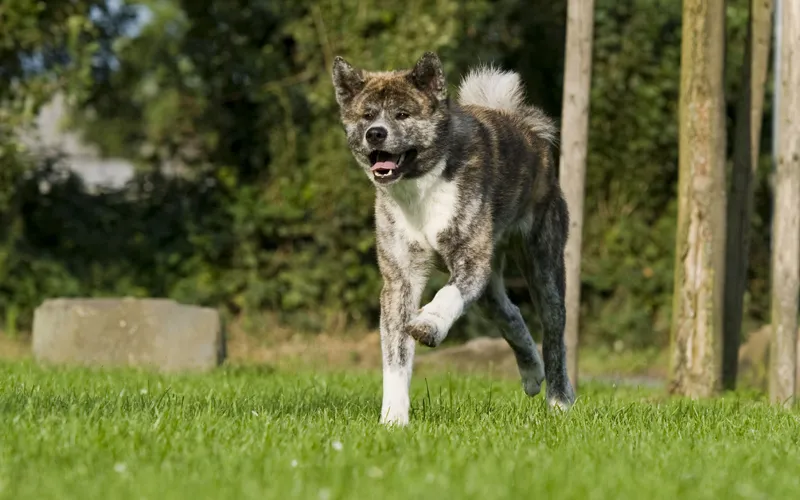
(786, 213)
(572, 169)
(695, 364)
(749, 115)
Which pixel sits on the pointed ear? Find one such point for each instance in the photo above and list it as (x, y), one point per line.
(428, 75)
(347, 81)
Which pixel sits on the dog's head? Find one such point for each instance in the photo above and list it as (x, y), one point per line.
(395, 121)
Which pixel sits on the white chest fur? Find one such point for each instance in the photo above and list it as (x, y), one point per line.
(424, 207)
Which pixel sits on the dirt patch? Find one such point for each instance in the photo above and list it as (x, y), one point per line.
(359, 351)
(753, 370)
(14, 349)
(484, 355)
(490, 356)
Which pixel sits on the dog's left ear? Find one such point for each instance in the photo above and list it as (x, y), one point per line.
(347, 81)
(428, 75)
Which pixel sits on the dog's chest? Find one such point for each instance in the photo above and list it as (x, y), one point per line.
(424, 208)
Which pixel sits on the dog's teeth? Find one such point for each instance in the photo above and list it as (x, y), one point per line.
(400, 161)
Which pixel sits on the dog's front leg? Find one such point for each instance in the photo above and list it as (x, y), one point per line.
(470, 265)
(399, 298)
(404, 268)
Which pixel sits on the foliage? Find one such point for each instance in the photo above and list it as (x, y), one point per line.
(271, 212)
(44, 48)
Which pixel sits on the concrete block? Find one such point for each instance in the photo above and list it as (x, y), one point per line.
(150, 333)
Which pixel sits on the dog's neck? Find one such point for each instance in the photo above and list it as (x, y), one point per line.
(408, 192)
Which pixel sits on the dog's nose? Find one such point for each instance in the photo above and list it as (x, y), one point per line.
(376, 135)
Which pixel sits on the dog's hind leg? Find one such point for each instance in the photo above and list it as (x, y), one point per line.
(514, 330)
(542, 262)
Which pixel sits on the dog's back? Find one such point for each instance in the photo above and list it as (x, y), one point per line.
(489, 87)
(501, 148)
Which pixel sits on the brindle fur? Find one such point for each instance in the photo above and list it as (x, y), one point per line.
(482, 185)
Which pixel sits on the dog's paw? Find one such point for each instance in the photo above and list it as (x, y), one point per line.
(561, 401)
(391, 417)
(424, 331)
(532, 378)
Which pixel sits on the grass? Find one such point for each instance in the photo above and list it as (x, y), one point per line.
(252, 433)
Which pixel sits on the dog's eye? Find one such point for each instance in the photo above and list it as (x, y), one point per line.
(368, 115)
(402, 115)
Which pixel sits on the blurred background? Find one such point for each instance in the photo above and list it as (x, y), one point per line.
(192, 149)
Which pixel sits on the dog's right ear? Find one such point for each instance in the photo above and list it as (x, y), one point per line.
(347, 81)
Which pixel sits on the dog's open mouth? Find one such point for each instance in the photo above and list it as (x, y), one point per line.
(386, 166)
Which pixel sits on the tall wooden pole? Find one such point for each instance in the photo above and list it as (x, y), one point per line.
(574, 144)
(749, 115)
(696, 361)
(786, 213)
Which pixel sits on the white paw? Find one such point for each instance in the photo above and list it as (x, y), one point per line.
(560, 404)
(436, 318)
(425, 330)
(394, 417)
(396, 401)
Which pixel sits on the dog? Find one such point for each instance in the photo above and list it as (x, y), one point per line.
(461, 184)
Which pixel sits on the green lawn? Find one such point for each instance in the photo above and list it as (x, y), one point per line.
(246, 433)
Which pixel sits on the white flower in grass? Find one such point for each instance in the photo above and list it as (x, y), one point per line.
(337, 445)
(120, 467)
(294, 463)
(255, 413)
(324, 494)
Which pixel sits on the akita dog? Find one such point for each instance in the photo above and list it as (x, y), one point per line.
(459, 183)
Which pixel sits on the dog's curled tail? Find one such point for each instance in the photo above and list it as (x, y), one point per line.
(493, 88)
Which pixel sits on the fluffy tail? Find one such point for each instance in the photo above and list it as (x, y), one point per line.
(490, 87)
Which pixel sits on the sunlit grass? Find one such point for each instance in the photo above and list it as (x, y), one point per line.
(254, 433)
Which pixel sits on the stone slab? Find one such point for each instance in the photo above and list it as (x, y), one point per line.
(149, 333)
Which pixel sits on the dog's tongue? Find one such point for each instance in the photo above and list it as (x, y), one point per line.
(384, 165)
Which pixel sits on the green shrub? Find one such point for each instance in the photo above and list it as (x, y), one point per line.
(274, 215)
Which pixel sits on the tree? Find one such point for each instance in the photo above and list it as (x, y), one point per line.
(749, 115)
(45, 48)
(786, 219)
(572, 169)
(700, 238)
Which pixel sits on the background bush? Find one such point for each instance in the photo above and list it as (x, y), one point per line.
(271, 212)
